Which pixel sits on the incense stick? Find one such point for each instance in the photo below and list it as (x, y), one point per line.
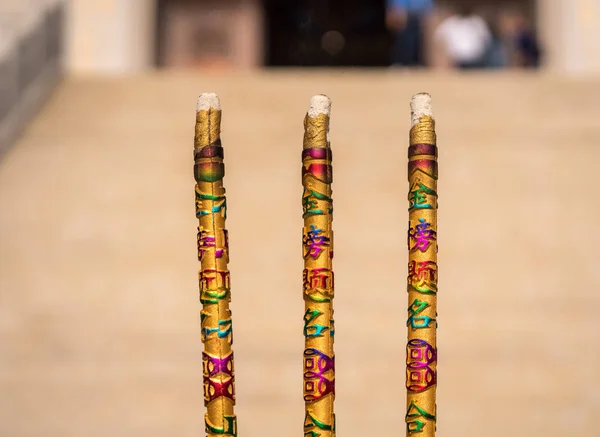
(421, 350)
(317, 240)
(213, 254)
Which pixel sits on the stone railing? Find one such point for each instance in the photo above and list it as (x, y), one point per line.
(31, 58)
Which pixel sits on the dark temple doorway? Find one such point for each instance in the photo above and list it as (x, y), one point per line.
(326, 33)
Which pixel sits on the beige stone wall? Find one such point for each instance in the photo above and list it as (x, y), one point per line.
(117, 36)
(110, 36)
(223, 33)
(571, 31)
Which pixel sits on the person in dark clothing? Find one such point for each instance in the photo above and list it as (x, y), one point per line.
(528, 49)
(521, 40)
(405, 18)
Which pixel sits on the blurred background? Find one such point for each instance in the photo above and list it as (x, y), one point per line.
(123, 36)
(99, 324)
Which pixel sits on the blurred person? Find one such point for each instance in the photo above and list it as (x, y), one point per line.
(406, 20)
(520, 39)
(465, 37)
(497, 56)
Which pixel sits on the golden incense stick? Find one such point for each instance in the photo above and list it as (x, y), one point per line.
(317, 242)
(421, 350)
(213, 254)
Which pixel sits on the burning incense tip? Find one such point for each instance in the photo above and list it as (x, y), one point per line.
(420, 105)
(319, 104)
(208, 101)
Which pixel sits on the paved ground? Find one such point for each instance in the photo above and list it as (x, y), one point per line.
(99, 316)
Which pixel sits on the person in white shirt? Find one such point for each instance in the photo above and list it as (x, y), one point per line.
(465, 37)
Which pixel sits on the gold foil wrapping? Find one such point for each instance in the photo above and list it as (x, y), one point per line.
(213, 253)
(317, 251)
(421, 358)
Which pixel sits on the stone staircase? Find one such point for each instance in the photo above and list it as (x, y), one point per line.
(99, 312)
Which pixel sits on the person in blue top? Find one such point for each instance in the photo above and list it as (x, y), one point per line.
(405, 19)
